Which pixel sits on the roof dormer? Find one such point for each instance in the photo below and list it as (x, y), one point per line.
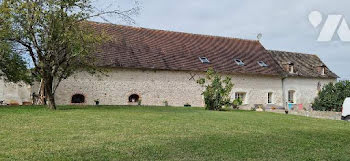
(289, 66)
(321, 69)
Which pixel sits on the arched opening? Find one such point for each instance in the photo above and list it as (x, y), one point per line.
(134, 98)
(78, 98)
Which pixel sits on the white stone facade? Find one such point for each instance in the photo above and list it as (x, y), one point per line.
(177, 88)
(15, 94)
(306, 89)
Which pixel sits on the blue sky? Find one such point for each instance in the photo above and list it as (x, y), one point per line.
(284, 24)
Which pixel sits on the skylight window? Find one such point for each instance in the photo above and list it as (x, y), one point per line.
(239, 62)
(204, 60)
(263, 64)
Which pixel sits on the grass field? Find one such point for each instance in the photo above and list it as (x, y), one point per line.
(167, 133)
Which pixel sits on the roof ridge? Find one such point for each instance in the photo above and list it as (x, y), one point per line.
(179, 32)
(292, 52)
(142, 48)
(306, 63)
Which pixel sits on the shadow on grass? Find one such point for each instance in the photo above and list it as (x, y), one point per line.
(165, 109)
(64, 108)
(77, 107)
(84, 107)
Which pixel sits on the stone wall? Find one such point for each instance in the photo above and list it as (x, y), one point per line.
(306, 89)
(314, 114)
(318, 114)
(14, 93)
(156, 86)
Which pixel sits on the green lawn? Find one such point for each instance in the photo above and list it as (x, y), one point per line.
(167, 133)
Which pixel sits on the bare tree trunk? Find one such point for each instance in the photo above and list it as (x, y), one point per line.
(50, 95)
(51, 101)
(41, 93)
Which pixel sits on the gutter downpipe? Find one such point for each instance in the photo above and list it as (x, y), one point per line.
(284, 95)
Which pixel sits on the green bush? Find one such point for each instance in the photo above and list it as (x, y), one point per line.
(139, 102)
(237, 102)
(166, 104)
(332, 96)
(217, 91)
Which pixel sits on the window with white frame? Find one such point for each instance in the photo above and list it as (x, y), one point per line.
(241, 96)
(291, 96)
(269, 97)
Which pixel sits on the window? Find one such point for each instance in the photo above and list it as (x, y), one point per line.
(262, 64)
(134, 98)
(241, 96)
(78, 98)
(291, 97)
(269, 98)
(323, 71)
(239, 62)
(291, 68)
(204, 60)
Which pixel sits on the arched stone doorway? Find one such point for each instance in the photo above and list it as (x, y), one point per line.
(78, 98)
(134, 98)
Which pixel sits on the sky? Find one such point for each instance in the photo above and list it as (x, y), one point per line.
(284, 24)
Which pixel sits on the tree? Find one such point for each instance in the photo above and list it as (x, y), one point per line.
(332, 96)
(55, 35)
(217, 91)
(12, 66)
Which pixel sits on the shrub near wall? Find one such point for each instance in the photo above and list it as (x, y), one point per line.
(217, 90)
(332, 96)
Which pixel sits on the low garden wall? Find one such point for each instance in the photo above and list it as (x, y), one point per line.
(318, 114)
(302, 111)
(315, 114)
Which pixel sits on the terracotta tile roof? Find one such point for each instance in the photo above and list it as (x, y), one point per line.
(305, 65)
(141, 48)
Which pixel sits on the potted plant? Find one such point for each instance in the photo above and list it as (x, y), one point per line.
(260, 108)
(139, 102)
(236, 103)
(97, 102)
(166, 103)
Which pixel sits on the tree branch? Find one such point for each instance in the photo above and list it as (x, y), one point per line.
(124, 14)
(29, 49)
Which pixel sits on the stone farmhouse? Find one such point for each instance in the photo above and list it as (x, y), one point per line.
(154, 67)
